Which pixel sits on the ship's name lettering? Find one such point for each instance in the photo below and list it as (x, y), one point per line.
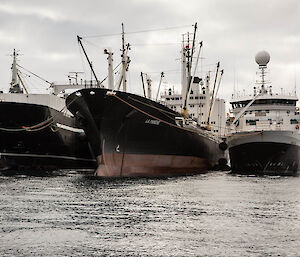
(154, 122)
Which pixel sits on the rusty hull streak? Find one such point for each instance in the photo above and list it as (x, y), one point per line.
(139, 165)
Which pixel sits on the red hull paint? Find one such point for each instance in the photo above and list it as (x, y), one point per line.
(137, 165)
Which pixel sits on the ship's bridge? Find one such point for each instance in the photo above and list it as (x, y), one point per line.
(265, 101)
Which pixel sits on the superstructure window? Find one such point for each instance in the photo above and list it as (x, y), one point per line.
(275, 102)
(251, 122)
(265, 102)
(294, 121)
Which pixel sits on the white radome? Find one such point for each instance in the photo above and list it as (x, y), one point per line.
(262, 58)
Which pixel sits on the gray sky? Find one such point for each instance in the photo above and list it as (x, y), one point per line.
(232, 33)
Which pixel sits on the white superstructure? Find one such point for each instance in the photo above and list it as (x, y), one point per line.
(196, 100)
(264, 109)
(198, 105)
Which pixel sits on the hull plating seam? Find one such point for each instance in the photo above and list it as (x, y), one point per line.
(45, 156)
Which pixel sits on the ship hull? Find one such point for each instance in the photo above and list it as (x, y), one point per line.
(138, 137)
(265, 153)
(50, 141)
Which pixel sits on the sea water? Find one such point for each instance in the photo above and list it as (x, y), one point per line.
(216, 214)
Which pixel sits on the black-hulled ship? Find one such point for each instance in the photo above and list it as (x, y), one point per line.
(135, 136)
(37, 132)
(132, 135)
(264, 135)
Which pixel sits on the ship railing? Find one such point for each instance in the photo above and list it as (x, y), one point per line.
(274, 127)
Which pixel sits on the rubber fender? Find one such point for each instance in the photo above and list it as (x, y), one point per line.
(223, 146)
(222, 161)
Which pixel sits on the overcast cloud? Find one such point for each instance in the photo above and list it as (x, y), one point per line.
(232, 31)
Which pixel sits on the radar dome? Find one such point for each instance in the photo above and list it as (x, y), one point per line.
(262, 58)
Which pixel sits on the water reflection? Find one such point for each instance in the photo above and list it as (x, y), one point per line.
(214, 214)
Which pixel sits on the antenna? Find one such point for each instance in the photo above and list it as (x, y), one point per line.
(234, 79)
(76, 76)
(262, 58)
(295, 81)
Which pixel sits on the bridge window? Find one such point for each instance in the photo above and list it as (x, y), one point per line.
(294, 121)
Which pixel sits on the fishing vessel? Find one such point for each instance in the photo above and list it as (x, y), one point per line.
(264, 134)
(133, 135)
(37, 132)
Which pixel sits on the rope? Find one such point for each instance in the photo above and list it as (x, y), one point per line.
(34, 74)
(139, 31)
(164, 111)
(42, 125)
(12, 130)
(154, 107)
(38, 125)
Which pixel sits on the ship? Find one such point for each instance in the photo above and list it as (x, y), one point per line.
(135, 136)
(263, 136)
(37, 132)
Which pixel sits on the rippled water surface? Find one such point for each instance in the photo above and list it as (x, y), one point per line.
(216, 214)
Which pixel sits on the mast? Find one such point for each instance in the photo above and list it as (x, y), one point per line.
(193, 46)
(14, 85)
(14, 70)
(125, 62)
(161, 77)
(212, 97)
(110, 69)
(76, 76)
(219, 83)
(197, 60)
(189, 68)
(183, 70)
(90, 64)
(188, 55)
(142, 76)
(22, 83)
(149, 81)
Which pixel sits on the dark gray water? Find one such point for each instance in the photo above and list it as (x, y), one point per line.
(216, 214)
